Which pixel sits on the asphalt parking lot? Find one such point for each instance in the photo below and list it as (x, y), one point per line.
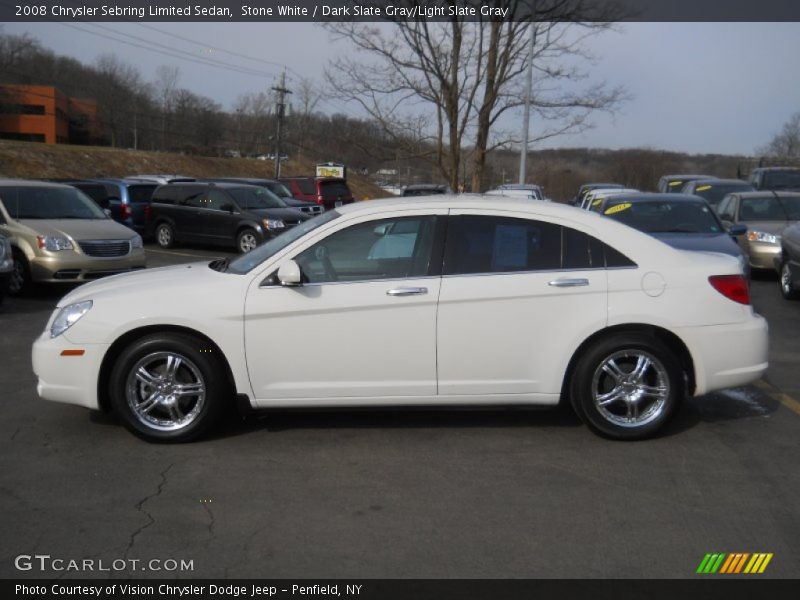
(403, 493)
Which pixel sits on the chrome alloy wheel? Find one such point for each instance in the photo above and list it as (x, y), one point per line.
(786, 280)
(165, 391)
(630, 388)
(164, 236)
(247, 242)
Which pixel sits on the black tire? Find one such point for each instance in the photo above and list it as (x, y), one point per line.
(632, 407)
(788, 289)
(20, 281)
(165, 235)
(247, 240)
(166, 397)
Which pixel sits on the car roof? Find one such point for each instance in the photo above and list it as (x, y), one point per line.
(718, 181)
(768, 193)
(225, 185)
(777, 169)
(688, 176)
(31, 183)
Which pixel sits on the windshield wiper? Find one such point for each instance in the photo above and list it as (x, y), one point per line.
(221, 264)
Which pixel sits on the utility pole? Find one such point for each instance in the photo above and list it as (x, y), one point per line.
(281, 113)
(526, 119)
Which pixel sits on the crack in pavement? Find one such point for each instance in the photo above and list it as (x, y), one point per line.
(140, 508)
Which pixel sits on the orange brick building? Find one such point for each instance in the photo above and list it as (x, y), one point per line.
(38, 113)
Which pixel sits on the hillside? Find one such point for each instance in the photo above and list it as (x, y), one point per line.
(30, 160)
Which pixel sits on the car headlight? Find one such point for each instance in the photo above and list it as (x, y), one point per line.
(53, 243)
(136, 242)
(68, 316)
(763, 236)
(273, 224)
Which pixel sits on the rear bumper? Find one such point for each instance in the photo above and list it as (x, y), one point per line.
(68, 379)
(727, 356)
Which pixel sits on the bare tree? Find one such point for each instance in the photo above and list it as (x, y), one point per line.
(118, 105)
(308, 94)
(252, 112)
(785, 144)
(164, 86)
(450, 82)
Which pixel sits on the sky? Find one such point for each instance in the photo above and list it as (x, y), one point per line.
(693, 87)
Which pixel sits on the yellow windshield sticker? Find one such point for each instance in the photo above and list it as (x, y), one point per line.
(618, 208)
(674, 183)
(702, 188)
(596, 202)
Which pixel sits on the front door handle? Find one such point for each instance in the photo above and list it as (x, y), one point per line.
(407, 291)
(569, 282)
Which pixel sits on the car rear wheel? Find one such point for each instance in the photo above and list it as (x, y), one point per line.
(246, 241)
(788, 288)
(20, 280)
(165, 235)
(627, 386)
(169, 387)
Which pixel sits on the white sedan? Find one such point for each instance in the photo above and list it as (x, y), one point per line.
(449, 300)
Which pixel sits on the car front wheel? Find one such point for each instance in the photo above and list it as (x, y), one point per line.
(627, 386)
(247, 240)
(169, 387)
(20, 280)
(788, 288)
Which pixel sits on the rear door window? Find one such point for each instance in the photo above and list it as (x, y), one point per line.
(334, 189)
(138, 194)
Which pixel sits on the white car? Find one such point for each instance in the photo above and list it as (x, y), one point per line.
(480, 301)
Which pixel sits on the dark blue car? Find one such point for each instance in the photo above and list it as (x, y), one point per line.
(128, 200)
(680, 220)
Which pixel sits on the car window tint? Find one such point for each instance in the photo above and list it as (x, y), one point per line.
(306, 186)
(791, 204)
(194, 197)
(140, 193)
(216, 199)
(575, 250)
(766, 208)
(615, 258)
(333, 189)
(382, 249)
(478, 244)
(166, 194)
(726, 208)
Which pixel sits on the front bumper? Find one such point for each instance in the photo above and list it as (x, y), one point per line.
(62, 267)
(68, 379)
(727, 356)
(762, 255)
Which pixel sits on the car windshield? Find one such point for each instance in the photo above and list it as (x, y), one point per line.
(781, 180)
(665, 216)
(280, 190)
(255, 198)
(713, 193)
(49, 203)
(791, 204)
(247, 262)
(762, 208)
(334, 189)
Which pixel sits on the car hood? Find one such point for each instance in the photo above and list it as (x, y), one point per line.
(767, 226)
(175, 280)
(79, 229)
(288, 214)
(707, 242)
(295, 202)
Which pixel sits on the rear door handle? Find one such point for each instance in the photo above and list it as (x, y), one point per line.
(407, 291)
(569, 282)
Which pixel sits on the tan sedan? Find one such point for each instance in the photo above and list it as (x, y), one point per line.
(59, 235)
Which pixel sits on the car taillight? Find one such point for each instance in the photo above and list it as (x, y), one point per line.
(124, 211)
(320, 199)
(733, 287)
(146, 212)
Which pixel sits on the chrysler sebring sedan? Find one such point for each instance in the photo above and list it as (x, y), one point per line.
(447, 300)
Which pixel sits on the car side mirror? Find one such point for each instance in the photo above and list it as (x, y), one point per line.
(737, 229)
(381, 230)
(227, 207)
(107, 212)
(289, 274)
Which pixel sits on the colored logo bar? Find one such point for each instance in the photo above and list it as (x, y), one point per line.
(734, 563)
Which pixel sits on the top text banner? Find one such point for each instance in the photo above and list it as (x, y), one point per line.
(389, 10)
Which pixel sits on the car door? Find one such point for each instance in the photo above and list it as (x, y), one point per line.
(187, 213)
(363, 324)
(219, 217)
(518, 296)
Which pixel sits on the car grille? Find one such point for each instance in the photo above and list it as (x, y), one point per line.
(105, 248)
(313, 210)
